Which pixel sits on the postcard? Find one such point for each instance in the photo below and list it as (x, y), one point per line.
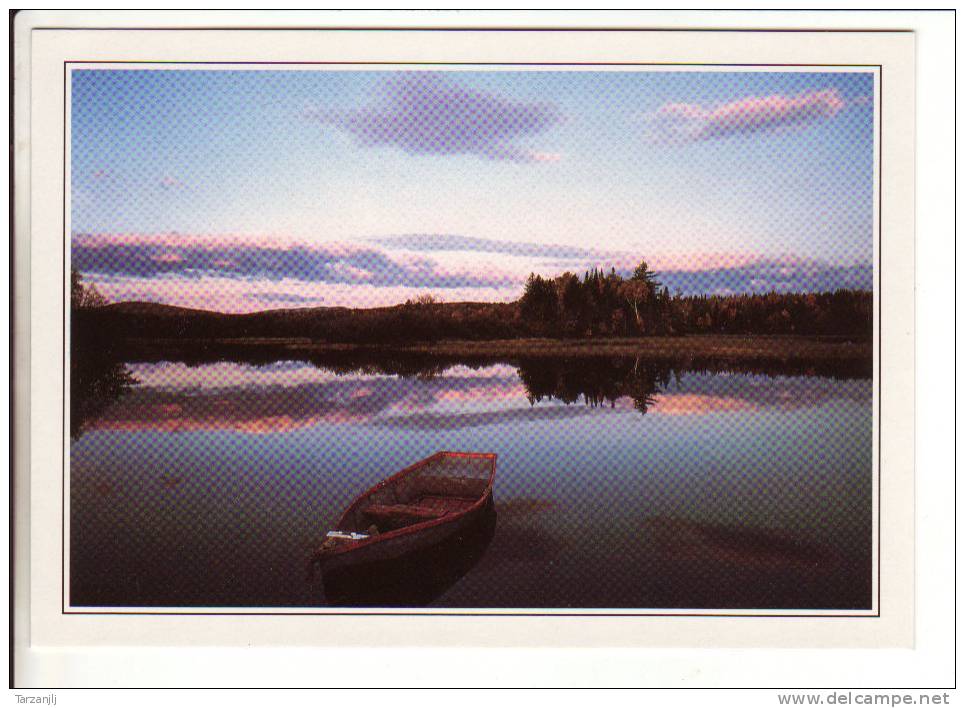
(597, 335)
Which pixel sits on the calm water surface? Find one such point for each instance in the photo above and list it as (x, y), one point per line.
(619, 484)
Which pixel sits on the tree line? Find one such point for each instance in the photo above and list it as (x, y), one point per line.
(597, 305)
(84, 295)
(608, 304)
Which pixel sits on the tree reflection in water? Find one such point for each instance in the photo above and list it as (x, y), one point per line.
(96, 381)
(723, 552)
(599, 381)
(98, 378)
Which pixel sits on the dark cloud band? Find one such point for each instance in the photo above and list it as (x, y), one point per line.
(424, 113)
(153, 257)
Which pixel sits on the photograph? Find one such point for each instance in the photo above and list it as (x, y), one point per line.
(417, 349)
(488, 338)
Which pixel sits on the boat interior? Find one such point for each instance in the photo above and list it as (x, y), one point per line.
(444, 485)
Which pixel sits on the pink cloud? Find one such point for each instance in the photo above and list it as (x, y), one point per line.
(688, 122)
(169, 257)
(247, 273)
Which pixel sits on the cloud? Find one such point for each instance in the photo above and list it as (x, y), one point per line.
(771, 275)
(235, 273)
(455, 242)
(689, 122)
(423, 113)
(174, 255)
(691, 273)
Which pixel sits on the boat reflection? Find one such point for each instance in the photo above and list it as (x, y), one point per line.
(416, 579)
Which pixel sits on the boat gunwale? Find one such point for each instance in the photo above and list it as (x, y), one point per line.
(423, 525)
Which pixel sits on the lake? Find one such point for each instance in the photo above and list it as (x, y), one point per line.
(621, 483)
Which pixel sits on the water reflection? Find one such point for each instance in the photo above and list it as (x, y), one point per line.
(416, 579)
(96, 381)
(682, 539)
(209, 481)
(597, 382)
(423, 364)
(290, 395)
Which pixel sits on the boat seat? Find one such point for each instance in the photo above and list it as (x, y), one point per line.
(445, 505)
(468, 487)
(402, 513)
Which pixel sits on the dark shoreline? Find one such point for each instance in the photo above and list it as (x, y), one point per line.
(772, 355)
(755, 347)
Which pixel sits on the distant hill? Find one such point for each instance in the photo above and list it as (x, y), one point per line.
(153, 309)
(463, 320)
(601, 313)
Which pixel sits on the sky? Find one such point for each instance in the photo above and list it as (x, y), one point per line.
(241, 190)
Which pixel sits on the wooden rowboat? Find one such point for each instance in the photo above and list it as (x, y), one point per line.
(414, 579)
(420, 506)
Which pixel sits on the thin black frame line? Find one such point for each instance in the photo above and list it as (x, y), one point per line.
(63, 367)
(11, 382)
(955, 348)
(765, 613)
(321, 687)
(557, 30)
(509, 615)
(458, 63)
(881, 297)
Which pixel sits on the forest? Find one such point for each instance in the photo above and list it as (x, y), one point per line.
(596, 305)
(609, 305)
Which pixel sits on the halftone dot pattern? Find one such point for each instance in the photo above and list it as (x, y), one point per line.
(243, 190)
(723, 477)
(425, 113)
(238, 190)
